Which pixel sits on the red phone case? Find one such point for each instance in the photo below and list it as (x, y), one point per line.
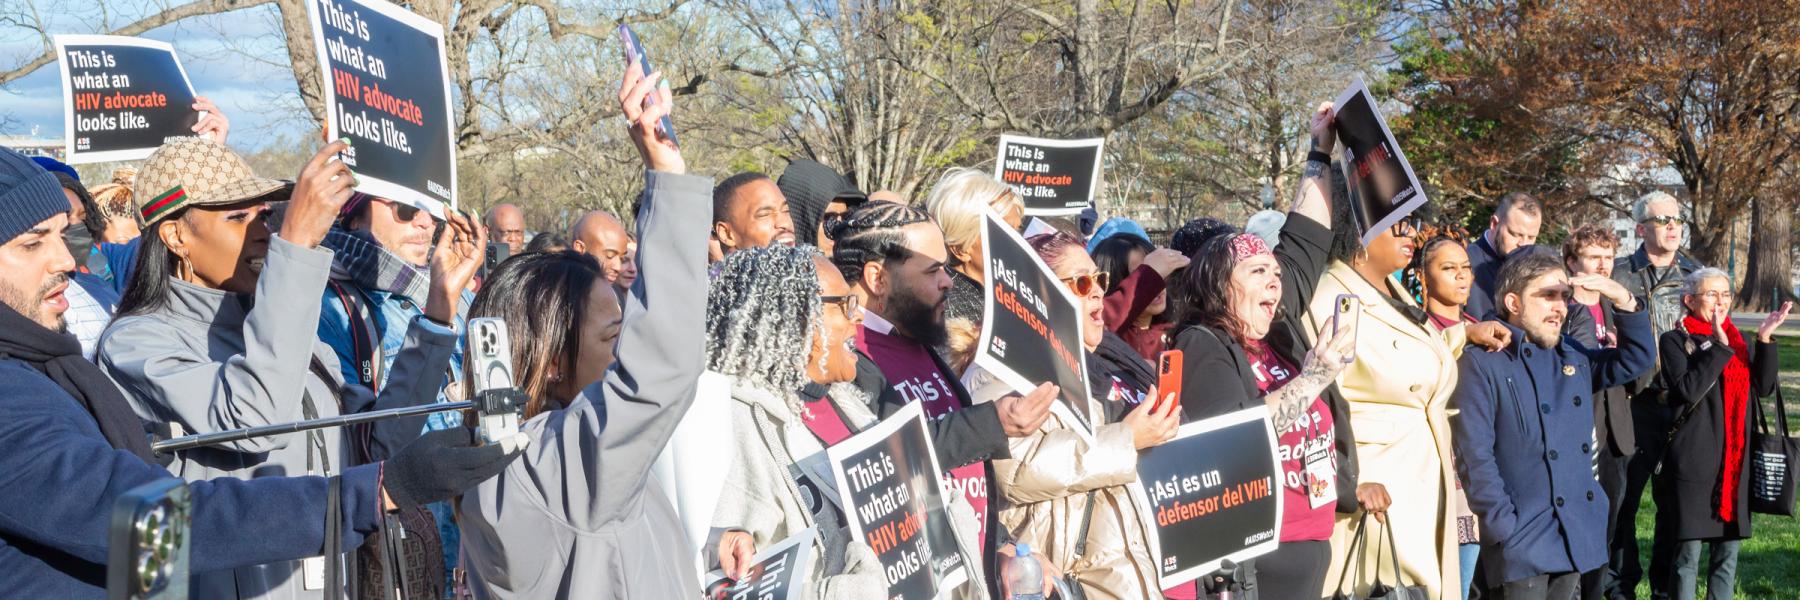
(1168, 376)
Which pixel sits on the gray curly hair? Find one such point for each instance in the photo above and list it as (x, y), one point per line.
(762, 316)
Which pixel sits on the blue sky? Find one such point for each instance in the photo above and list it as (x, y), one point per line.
(236, 59)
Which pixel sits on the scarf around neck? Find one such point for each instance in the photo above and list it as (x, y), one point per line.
(1736, 390)
(359, 259)
(58, 356)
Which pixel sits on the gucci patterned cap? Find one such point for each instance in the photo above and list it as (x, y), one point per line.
(194, 171)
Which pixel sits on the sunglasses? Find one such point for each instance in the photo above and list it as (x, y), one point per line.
(1661, 221)
(1407, 226)
(847, 302)
(1083, 285)
(403, 211)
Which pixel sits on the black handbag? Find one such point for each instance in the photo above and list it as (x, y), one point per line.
(1772, 458)
(1380, 590)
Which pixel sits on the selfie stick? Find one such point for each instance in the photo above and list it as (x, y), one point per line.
(220, 437)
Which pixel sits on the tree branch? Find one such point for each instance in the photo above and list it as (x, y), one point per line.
(165, 17)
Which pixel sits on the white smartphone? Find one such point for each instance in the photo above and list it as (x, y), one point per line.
(497, 402)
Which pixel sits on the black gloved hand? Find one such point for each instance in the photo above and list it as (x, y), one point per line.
(444, 463)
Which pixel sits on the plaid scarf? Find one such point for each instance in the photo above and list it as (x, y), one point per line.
(361, 260)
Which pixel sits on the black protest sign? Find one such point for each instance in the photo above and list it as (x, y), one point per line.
(1031, 324)
(894, 489)
(1382, 183)
(122, 97)
(1215, 494)
(778, 572)
(387, 90)
(1053, 177)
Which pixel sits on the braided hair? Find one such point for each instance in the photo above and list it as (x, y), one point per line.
(871, 233)
(763, 315)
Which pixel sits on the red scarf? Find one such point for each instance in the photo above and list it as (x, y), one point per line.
(1737, 398)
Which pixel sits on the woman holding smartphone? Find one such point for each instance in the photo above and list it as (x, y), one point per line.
(1234, 326)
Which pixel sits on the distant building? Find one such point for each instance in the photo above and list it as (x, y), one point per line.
(1624, 184)
(34, 146)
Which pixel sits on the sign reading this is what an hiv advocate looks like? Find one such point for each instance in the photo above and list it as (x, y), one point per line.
(893, 489)
(387, 91)
(122, 97)
(1052, 177)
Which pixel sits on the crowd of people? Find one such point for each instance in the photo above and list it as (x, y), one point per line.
(1490, 421)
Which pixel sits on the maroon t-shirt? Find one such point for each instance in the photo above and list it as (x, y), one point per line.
(1308, 463)
(911, 371)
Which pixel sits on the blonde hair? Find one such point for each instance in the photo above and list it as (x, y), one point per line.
(958, 199)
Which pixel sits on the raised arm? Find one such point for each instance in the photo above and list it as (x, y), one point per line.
(263, 383)
(259, 386)
(607, 439)
(1312, 198)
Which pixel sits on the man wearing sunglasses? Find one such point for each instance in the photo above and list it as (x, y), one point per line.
(1654, 274)
(380, 273)
(1515, 225)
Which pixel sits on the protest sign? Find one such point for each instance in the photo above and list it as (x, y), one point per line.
(1052, 177)
(1382, 184)
(387, 90)
(894, 489)
(122, 97)
(1031, 324)
(1215, 493)
(778, 572)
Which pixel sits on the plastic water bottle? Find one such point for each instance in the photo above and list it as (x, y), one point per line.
(1027, 576)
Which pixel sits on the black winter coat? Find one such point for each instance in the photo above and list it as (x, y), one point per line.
(1687, 489)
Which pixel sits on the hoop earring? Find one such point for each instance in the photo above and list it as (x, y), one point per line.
(184, 270)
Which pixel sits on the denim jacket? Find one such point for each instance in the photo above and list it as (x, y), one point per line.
(387, 309)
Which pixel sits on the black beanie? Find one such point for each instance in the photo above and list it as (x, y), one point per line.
(28, 195)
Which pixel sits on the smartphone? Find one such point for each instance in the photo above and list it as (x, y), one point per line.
(497, 252)
(634, 52)
(1168, 377)
(147, 556)
(498, 403)
(1346, 313)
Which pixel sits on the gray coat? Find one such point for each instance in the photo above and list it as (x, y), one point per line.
(212, 361)
(578, 516)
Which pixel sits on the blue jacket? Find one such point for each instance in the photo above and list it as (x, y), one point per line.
(59, 478)
(1524, 433)
(1484, 263)
(391, 313)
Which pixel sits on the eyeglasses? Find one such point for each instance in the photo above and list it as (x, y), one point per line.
(1083, 285)
(848, 302)
(1716, 296)
(1661, 221)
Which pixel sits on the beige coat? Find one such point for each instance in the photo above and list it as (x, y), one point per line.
(1042, 495)
(1398, 392)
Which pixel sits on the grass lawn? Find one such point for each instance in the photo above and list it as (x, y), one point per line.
(1768, 562)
